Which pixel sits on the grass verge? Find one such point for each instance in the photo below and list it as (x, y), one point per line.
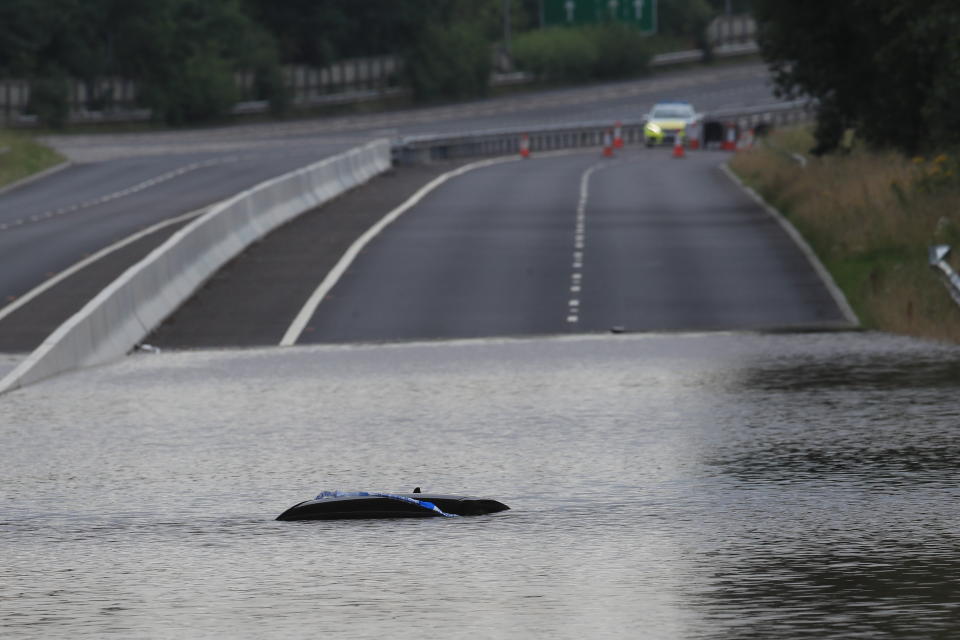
(22, 156)
(871, 218)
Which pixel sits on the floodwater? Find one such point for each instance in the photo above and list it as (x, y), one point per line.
(669, 486)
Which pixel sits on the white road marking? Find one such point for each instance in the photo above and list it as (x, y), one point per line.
(63, 275)
(836, 293)
(299, 323)
(579, 242)
(170, 175)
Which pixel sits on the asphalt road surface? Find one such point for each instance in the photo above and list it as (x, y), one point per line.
(571, 243)
(659, 244)
(123, 183)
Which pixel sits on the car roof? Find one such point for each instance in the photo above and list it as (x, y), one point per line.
(673, 103)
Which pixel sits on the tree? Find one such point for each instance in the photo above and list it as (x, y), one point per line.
(185, 54)
(887, 68)
(449, 63)
(49, 41)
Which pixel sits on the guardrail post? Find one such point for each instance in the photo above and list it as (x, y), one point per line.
(938, 260)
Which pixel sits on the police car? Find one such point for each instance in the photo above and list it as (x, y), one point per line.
(667, 121)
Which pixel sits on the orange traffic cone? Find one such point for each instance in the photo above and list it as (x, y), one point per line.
(693, 136)
(618, 135)
(729, 137)
(607, 145)
(678, 147)
(524, 146)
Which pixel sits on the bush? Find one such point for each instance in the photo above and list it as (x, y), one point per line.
(621, 51)
(574, 55)
(688, 18)
(203, 90)
(557, 53)
(270, 85)
(50, 100)
(449, 63)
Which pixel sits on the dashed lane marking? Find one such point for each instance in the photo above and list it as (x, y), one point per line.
(63, 275)
(140, 186)
(579, 242)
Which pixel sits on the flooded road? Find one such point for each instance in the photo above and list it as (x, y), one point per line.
(662, 486)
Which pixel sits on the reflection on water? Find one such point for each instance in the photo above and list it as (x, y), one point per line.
(866, 373)
(699, 486)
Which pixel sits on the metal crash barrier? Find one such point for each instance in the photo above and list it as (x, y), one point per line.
(713, 127)
(938, 260)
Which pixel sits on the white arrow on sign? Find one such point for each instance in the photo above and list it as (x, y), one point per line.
(638, 8)
(569, 5)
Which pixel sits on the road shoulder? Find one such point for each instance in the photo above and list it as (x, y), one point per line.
(251, 301)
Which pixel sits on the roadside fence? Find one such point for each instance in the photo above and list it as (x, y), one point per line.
(353, 80)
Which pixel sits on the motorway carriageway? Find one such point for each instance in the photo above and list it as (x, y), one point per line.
(121, 184)
(53, 225)
(146, 183)
(569, 243)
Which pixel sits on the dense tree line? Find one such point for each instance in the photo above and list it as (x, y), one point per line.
(888, 69)
(184, 53)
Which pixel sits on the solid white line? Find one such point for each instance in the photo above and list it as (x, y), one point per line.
(63, 275)
(838, 296)
(309, 308)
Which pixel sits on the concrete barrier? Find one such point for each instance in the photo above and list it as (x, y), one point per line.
(125, 312)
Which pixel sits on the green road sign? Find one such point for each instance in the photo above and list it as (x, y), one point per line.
(642, 13)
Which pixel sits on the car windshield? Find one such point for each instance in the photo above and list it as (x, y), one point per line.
(671, 112)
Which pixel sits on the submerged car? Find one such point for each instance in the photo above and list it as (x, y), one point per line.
(667, 121)
(347, 505)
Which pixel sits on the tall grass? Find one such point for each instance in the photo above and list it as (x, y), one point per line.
(21, 156)
(871, 218)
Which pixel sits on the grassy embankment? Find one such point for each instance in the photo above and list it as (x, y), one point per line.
(870, 217)
(21, 156)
